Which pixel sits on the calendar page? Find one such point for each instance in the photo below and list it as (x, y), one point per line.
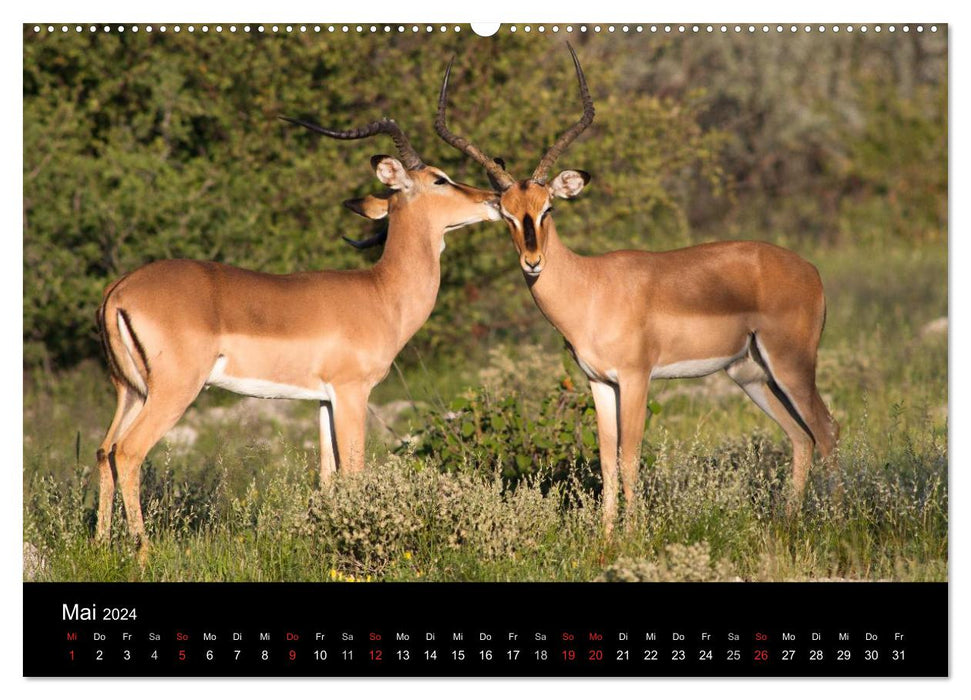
(501, 350)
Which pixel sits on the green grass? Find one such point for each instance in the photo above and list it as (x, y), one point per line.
(241, 502)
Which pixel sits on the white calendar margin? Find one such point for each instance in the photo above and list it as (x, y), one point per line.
(509, 11)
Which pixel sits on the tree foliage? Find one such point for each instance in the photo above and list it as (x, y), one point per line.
(140, 146)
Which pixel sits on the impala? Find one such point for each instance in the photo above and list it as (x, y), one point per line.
(752, 309)
(172, 327)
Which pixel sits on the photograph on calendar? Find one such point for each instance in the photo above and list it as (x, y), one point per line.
(566, 303)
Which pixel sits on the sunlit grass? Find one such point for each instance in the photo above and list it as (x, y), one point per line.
(237, 499)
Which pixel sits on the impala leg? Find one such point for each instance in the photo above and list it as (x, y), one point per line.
(828, 432)
(786, 397)
(350, 417)
(160, 412)
(605, 400)
(633, 413)
(328, 458)
(128, 405)
(802, 443)
(828, 444)
(794, 374)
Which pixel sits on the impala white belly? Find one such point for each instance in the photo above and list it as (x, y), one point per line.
(609, 376)
(687, 369)
(265, 389)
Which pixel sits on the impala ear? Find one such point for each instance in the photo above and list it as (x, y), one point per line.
(370, 207)
(391, 172)
(569, 183)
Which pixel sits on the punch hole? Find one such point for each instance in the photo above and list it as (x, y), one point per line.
(485, 28)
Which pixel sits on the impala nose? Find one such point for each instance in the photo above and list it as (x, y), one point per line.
(532, 267)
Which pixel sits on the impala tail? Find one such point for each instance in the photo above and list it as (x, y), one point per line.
(125, 353)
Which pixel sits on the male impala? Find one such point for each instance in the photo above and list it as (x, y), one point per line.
(752, 309)
(174, 326)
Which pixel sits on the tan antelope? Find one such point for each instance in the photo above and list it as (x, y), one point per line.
(752, 309)
(172, 327)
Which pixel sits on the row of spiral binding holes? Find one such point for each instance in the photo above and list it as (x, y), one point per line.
(540, 29)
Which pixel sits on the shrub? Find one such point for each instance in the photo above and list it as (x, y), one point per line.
(503, 422)
(680, 563)
(373, 519)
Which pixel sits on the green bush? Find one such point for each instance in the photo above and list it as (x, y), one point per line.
(381, 517)
(679, 563)
(523, 427)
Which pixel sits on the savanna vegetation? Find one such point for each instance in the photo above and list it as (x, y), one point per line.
(482, 452)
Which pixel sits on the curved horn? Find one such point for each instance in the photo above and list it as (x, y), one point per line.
(409, 156)
(497, 173)
(376, 239)
(542, 170)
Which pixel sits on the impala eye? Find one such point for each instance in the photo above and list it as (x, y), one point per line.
(441, 181)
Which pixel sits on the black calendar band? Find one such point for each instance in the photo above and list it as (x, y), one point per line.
(473, 629)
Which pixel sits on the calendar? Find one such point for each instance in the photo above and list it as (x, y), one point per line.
(524, 349)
